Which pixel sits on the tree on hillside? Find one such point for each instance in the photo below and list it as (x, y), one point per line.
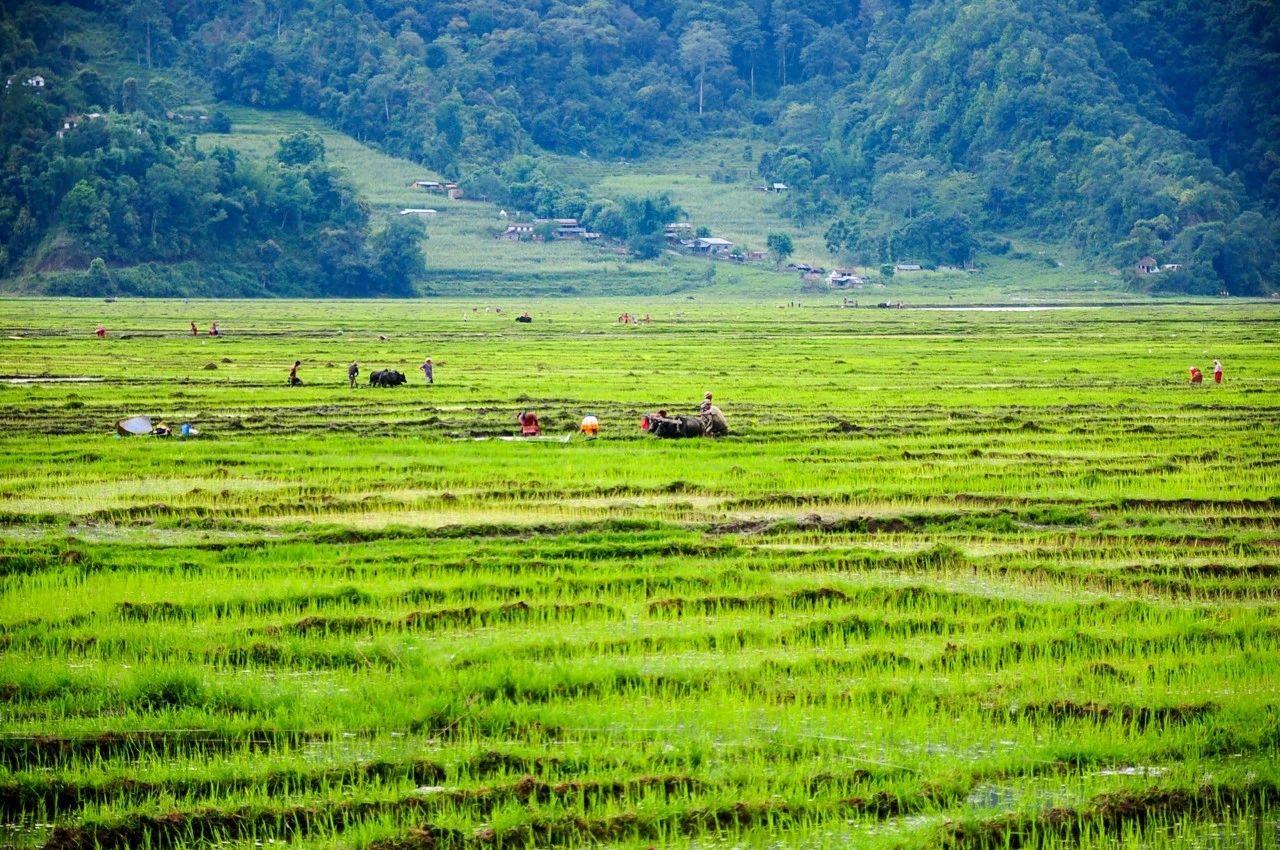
(781, 248)
(702, 45)
(301, 148)
(397, 255)
(646, 220)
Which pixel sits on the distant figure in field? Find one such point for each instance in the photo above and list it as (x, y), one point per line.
(524, 317)
(529, 426)
(101, 332)
(713, 422)
(428, 371)
(648, 320)
(1197, 377)
(213, 330)
(1217, 371)
(590, 426)
(294, 380)
(194, 330)
(353, 372)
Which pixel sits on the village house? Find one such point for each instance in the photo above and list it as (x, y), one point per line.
(907, 267)
(452, 190)
(568, 228)
(1171, 267)
(516, 231)
(1147, 265)
(844, 278)
(678, 231)
(712, 246)
(73, 121)
(421, 213)
(34, 82)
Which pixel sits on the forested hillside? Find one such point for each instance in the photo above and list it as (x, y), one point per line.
(923, 131)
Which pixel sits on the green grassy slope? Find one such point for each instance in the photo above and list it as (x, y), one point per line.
(463, 258)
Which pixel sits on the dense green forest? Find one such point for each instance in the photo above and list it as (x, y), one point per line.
(925, 130)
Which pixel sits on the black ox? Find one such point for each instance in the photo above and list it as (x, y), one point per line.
(675, 427)
(387, 378)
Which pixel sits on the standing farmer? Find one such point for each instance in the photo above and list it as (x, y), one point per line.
(428, 371)
(1217, 371)
(194, 330)
(353, 372)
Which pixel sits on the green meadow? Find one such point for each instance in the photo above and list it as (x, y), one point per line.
(958, 578)
(465, 259)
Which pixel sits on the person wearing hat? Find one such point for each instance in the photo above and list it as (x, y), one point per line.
(590, 426)
(713, 422)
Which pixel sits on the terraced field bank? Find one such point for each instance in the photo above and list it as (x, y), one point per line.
(962, 579)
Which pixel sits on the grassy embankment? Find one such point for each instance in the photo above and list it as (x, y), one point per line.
(465, 259)
(962, 578)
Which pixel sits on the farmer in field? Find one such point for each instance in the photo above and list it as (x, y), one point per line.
(213, 330)
(529, 426)
(590, 426)
(353, 372)
(294, 380)
(1197, 377)
(428, 371)
(713, 422)
(1217, 371)
(194, 330)
(101, 332)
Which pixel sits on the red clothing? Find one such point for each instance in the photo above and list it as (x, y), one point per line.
(101, 332)
(1196, 376)
(1217, 376)
(529, 425)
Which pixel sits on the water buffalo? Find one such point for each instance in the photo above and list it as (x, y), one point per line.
(675, 427)
(386, 378)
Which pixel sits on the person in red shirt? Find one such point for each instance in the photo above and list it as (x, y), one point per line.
(101, 332)
(529, 424)
(1196, 376)
(1217, 371)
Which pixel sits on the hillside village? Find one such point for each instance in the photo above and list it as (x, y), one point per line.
(679, 237)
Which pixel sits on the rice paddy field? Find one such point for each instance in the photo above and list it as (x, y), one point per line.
(958, 578)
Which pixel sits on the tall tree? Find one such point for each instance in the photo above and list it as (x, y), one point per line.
(702, 45)
(781, 247)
